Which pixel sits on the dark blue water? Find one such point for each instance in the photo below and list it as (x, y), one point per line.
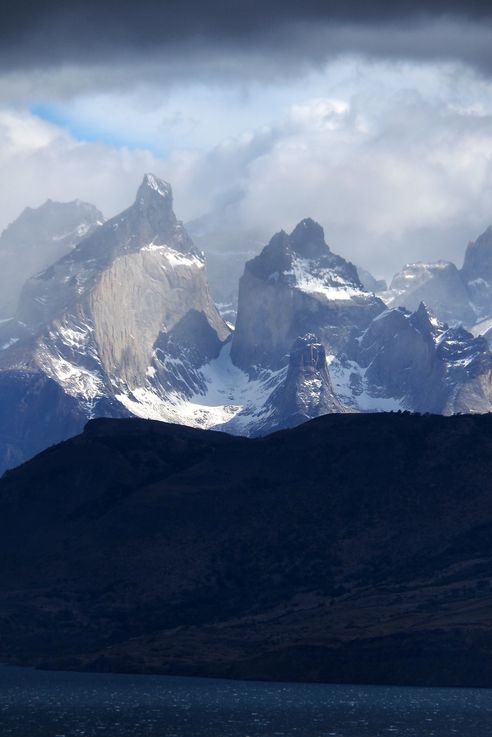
(37, 704)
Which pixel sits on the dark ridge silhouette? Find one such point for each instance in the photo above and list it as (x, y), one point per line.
(354, 548)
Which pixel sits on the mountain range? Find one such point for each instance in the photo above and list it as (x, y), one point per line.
(122, 322)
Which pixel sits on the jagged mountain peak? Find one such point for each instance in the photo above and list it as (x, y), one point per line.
(122, 324)
(296, 257)
(308, 239)
(294, 286)
(153, 187)
(148, 224)
(149, 221)
(307, 390)
(152, 216)
(424, 319)
(423, 311)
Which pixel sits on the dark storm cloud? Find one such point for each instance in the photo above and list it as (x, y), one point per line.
(50, 31)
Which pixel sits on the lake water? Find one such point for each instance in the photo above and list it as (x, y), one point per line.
(42, 704)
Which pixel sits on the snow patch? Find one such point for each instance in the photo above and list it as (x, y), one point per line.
(10, 342)
(175, 258)
(324, 282)
(350, 385)
(157, 185)
(230, 397)
(76, 381)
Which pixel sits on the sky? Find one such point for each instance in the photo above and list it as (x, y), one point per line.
(373, 118)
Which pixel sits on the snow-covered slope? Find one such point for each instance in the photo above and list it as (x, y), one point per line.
(223, 396)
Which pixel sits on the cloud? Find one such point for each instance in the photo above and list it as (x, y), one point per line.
(395, 160)
(250, 39)
(394, 177)
(38, 160)
(154, 23)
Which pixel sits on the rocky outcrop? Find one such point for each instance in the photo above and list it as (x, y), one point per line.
(296, 286)
(307, 390)
(39, 237)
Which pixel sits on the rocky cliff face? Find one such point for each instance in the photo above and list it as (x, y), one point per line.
(298, 286)
(127, 310)
(36, 239)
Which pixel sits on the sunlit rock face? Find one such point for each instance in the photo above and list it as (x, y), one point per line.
(127, 310)
(298, 286)
(36, 239)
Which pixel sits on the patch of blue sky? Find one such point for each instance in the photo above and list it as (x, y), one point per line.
(82, 130)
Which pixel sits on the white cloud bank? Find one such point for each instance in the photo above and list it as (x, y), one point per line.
(395, 160)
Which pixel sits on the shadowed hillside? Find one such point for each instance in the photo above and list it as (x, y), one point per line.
(352, 548)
